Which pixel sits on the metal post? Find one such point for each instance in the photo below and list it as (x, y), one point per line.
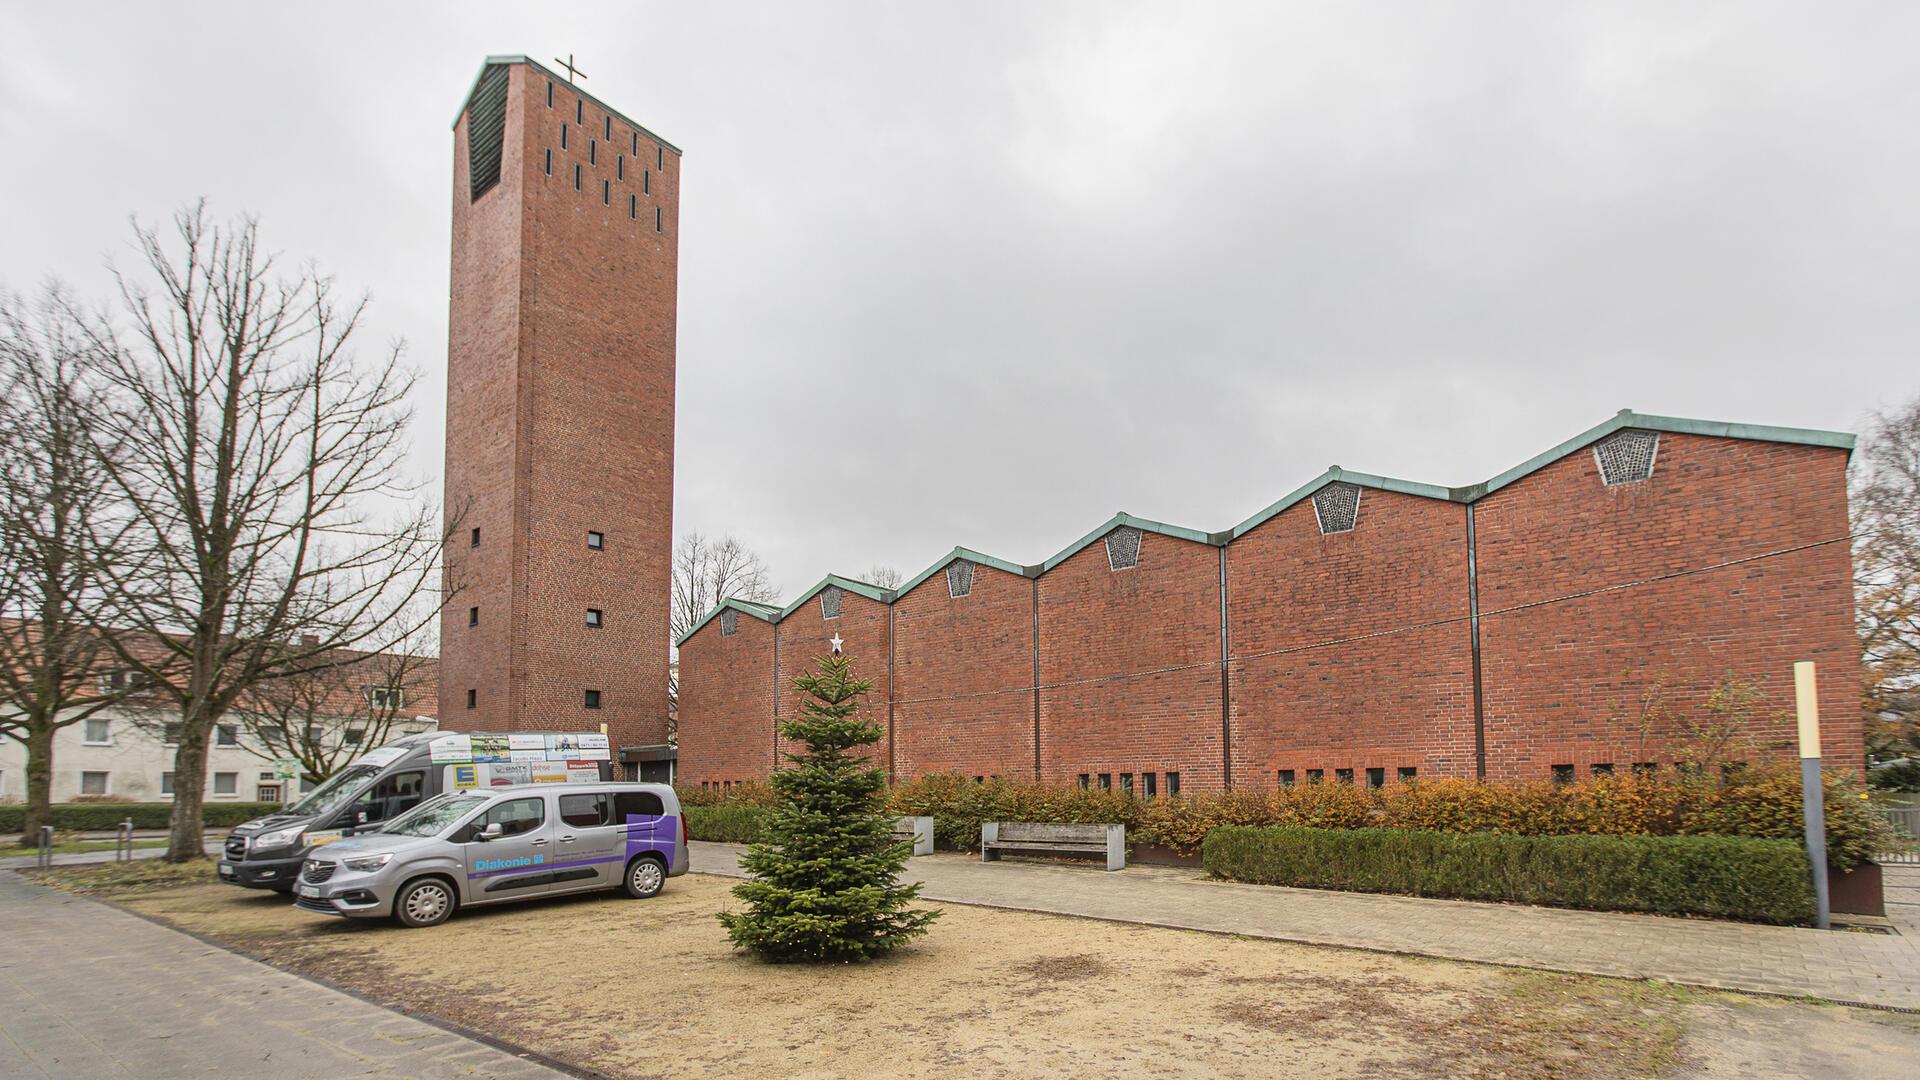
(123, 843)
(45, 860)
(1812, 793)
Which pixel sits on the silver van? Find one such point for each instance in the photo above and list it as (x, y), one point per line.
(497, 845)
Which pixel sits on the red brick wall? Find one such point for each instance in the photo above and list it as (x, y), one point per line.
(1095, 621)
(963, 669)
(862, 626)
(1404, 700)
(560, 392)
(1565, 682)
(726, 703)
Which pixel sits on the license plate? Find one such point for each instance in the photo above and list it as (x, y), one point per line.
(311, 892)
(225, 870)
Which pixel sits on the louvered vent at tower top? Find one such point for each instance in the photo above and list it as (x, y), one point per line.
(486, 130)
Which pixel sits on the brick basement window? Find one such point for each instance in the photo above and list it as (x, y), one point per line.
(596, 541)
(592, 699)
(594, 618)
(472, 698)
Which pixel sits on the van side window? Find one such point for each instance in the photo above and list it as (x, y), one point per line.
(584, 811)
(515, 816)
(628, 804)
(392, 794)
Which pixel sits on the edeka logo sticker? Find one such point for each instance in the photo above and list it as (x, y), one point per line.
(487, 866)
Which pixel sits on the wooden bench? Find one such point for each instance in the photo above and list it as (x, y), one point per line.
(1049, 838)
(918, 829)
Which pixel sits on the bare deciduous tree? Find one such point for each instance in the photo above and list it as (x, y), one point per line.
(59, 527)
(884, 576)
(706, 572)
(1886, 560)
(336, 707)
(263, 460)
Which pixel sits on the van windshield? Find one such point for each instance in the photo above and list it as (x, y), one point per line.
(334, 792)
(435, 815)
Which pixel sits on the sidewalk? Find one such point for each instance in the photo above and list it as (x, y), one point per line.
(93, 991)
(85, 858)
(1853, 968)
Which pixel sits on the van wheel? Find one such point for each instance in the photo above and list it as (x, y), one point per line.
(427, 902)
(645, 877)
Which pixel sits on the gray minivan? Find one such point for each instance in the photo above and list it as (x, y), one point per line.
(493, 846)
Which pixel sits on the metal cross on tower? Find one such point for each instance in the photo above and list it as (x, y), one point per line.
(572, 72)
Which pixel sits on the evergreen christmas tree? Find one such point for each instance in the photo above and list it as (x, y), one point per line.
(825, 886)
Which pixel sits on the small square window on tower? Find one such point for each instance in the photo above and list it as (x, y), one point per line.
(594, 618)
(636, 144)
(580, 110)
(549, 93)
(609, 121)
(593, 699)
(595, 541)
(660, 156)
(473, 616)
(473, 697)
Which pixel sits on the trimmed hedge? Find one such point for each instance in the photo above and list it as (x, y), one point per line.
(105, 816)
(1730, 877)
(726, 824)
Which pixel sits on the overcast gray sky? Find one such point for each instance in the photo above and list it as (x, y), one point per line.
(1005, 269)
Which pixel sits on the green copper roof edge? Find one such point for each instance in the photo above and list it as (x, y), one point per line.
(971, 556)
(859, 588)
(1143, 524)
(763, 612)
(557, 77)
(1679, 425)
(1365, 480)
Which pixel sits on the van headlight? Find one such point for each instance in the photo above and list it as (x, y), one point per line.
(283, 838)
(367, 864)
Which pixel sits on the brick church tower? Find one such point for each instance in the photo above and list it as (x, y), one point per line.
(560, 380)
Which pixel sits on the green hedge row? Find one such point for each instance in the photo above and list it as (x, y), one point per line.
(726, 824)
(1730, 877)
(104, 816)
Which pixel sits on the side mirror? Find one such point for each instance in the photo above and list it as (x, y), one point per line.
(362, 817)
(493, 831)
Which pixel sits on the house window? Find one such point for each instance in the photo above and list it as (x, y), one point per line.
(93, 783)
(959, 578)
(473, 616)
(166, 783)
(1286, 777)
(830, 602)
(1337, 508)
(1626, 456)
(386, 697)
(729, 623)
(1173, 783)
(472, 697)
(594, 620)
(593, 699)
(1106, 781)
(1602, 769)
(1645, 768)
(1085, 780)
(226, 783)
(171, 735)
(1126, 782)
(1123, 548)
(596, 541)
(1376, 778)
(1151, 788)
(474, 539)
(1408, 774)
(99, 732)
(226, 735)
(354, 737)
(1563, 774)
(1343, 776)
(1314, 776)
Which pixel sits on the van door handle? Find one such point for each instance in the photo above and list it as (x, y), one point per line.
(537, 843)
(566, 839)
